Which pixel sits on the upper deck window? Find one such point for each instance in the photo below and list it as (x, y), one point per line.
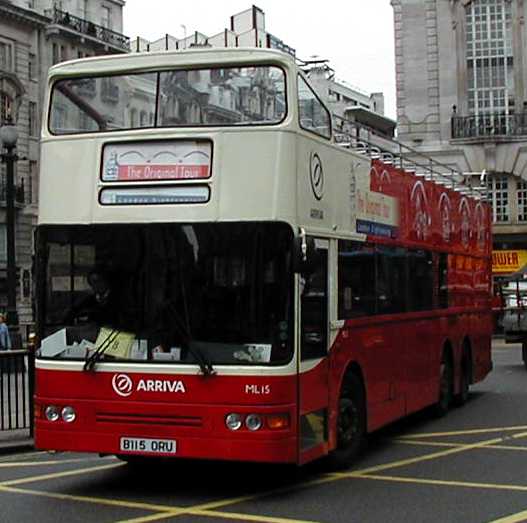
(312, 113)
(178, 98)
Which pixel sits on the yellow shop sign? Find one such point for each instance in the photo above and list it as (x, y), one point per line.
(505, 262)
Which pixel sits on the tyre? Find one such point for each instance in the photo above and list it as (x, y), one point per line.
(462, 397)
(524, 353)
(446, 382)
(351, 424)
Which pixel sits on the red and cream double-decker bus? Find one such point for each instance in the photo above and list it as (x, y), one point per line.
(218, 278)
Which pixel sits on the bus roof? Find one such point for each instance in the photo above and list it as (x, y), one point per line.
(159, 60)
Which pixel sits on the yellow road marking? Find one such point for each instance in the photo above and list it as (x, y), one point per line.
(435, 455)
(444, 444)
(446, 483)
(23, 455)
(465, 432)
(207, 508)
(513, 518)
(166, 510)
(216, 514)
(90, 499)
(17, 464)
(55, 475)
(248, 517)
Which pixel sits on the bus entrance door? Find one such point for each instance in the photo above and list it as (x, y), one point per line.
(314, 366)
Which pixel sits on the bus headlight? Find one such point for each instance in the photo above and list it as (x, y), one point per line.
(233, 421)
(68, 414)
(253, 422)
(52, 413)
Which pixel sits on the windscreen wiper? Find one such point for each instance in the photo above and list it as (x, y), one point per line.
(96, 356)
(204, 363)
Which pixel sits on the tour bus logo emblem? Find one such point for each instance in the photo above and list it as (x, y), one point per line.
(122, 385)
(316, 174)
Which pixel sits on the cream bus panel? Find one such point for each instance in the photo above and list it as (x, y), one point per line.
(252, 179)
(327, 179)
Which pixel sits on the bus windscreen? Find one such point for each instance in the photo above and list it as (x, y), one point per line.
(166, 292)
(174, 98)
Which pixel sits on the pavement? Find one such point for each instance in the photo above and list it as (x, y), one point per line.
(13, 441)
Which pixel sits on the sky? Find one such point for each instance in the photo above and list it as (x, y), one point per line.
(355, 35)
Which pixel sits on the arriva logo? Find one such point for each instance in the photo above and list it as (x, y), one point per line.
(124, 386)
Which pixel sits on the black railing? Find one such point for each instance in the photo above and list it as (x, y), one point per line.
(16, 389)
(489, 125)
(90, 29)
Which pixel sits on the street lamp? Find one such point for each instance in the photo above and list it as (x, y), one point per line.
(8, 138)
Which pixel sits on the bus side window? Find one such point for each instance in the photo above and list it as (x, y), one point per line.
(357, 280)
(442, 281)
(391, 280)
(421, 281)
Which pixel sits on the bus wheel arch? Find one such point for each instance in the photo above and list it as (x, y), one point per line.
(446, 379)
(351, 419)
(465, 372)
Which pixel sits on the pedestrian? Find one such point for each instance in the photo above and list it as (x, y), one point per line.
(5, 339)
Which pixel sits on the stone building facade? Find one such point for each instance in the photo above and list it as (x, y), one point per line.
(461, 69)
(35, 34)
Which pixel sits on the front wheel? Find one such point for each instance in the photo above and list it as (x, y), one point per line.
(351, 424)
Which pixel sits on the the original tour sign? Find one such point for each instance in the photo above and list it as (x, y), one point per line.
(158, 160)
(506, 262)
(377, 214)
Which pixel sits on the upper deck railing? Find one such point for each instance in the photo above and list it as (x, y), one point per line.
(363, 140)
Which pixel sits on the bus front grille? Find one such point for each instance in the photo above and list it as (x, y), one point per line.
(142, 419)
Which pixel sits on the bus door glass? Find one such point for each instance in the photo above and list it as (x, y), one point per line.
(313, 377)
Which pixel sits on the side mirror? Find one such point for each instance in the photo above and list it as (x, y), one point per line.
(304, 254)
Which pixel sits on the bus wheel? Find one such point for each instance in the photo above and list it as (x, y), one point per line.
(445, 386)
(524, 353)
(351, 424)
(462, 397)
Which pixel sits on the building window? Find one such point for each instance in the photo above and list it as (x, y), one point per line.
(3, 243)
(33, 182)
(55, 57)
(32, 67)
(490, 70)
(6, 56)
(499, 191)
(5, 106)
(63, 53)
(33, 119)
(106, 19)
(521, 199)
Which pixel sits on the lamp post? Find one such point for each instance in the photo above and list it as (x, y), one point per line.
(9, 137)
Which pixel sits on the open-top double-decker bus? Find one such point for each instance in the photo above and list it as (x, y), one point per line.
(218, 278)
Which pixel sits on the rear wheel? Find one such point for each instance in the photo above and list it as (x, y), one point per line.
(351, 423)
(445, 386)
(464, 385)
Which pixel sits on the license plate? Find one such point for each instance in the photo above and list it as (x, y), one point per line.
(148, 446)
